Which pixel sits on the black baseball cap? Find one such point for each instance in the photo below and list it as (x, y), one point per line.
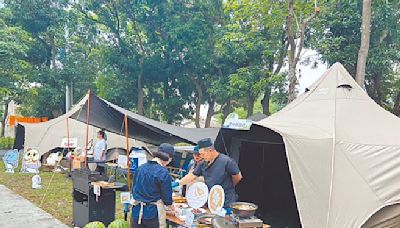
(204, 143)
(167, 148)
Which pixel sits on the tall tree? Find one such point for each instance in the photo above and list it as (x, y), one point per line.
(14, 45)
(255, 42)
(44, 23)
(339, 39)
(295, 50)
(365, 37)
(125, 37)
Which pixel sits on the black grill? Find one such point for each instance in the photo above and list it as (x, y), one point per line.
(85, 206)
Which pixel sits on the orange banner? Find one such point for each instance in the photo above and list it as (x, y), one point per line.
(14, 120)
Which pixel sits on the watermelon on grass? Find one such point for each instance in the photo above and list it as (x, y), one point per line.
(95, 225)
(119, 223)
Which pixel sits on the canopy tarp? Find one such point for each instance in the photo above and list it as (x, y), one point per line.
(48, 135)
(341, 152)
(106, 115)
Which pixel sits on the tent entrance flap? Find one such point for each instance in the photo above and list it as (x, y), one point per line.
(267, 182)
(387, 216)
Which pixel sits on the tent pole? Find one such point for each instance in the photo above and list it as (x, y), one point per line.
(87, 127)
(71, 156)
(127, 151)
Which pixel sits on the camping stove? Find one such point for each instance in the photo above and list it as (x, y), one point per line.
(246, 222)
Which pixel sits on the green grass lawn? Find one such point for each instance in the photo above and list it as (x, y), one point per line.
(58, 199)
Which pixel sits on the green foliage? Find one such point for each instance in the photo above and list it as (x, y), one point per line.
(338, 40)
(6, 143)
(174, 51)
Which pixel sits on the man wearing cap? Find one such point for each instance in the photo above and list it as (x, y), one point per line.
(217, 169)
(196, 159)
(151, 190)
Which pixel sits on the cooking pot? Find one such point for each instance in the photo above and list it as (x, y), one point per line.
(244, 209)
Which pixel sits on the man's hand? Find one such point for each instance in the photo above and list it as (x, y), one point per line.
(189, 178)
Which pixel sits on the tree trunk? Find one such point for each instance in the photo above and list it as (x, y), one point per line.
(140, 87)
(210, 112)
(3, 120)
(292, 82)
(396, 107)
(291, 52)
(377, 88)
(53, 52)
(226, 110)
(199, 93)
(265, 100)
(250, 105)
(365, 36)
(294, 51)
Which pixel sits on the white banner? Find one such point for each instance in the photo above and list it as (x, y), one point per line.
(73, 142)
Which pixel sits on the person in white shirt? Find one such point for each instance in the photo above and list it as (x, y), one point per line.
(100, 149)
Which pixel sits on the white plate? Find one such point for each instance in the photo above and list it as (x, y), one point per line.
(216, 199)
(197, 195)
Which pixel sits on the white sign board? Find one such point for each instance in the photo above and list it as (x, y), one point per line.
(233, 122)
(73, 142)
(125, 197)
(197, 195)
(96, 189)
(122, 161)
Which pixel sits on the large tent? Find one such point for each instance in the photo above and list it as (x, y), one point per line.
(46, 136)
(331, 158)
(104, 115)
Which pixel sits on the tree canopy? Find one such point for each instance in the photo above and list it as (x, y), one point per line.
(165, 59)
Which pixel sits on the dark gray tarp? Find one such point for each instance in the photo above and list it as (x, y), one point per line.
(110, 117)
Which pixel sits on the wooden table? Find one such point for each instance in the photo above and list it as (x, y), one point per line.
(173, 220)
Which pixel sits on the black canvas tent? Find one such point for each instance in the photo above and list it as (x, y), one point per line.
(260, 153)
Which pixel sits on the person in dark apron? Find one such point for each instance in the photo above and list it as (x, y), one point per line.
(152, 191)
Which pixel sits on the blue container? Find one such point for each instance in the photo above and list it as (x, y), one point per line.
(134, 164)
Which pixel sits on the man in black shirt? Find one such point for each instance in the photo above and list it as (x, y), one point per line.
(217, 169)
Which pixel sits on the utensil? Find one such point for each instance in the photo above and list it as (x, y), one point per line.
(205, 219)
(221, 222)
(244, 209)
